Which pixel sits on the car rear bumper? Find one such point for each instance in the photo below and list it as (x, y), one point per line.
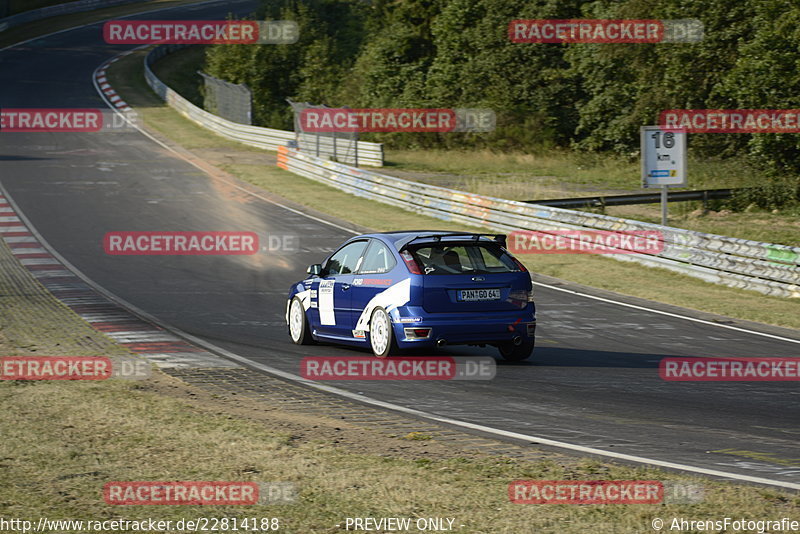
(462, 328)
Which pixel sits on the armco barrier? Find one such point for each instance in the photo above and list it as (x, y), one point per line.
(267, 138)
(770, 269)
(59, 9)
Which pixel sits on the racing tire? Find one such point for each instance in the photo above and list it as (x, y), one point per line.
(381, 335)
(516, 353)
(298, 323)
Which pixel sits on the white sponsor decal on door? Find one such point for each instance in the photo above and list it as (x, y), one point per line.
(325, 302)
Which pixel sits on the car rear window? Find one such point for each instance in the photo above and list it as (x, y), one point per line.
(460, 258)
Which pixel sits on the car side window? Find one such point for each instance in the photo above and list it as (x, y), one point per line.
(346, 260)
(379, 259)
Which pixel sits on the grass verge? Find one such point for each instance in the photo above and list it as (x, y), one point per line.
(567, 171)
(759, 225)
(256, 167)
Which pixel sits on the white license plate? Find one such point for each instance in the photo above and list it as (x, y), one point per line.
(473, 295)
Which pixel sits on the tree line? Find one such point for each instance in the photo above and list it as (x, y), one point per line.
(457, 54)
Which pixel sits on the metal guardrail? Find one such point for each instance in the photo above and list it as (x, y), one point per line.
(59, 9)
(641, 198)
(740, 263)
(266, 138)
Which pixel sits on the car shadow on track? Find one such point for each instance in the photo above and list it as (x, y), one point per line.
(570, 357)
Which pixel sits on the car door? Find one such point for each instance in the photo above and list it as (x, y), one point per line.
(333, 290)
(373, 277)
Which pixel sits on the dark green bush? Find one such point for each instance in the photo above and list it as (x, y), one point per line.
(592, 97)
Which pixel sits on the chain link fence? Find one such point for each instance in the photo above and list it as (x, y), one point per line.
(364, 153)
(232, 101)
(340, 146)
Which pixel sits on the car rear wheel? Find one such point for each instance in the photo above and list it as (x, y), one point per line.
(381, 337)
(298, 324)
(516, 353)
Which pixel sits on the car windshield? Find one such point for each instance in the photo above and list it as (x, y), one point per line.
(460, 258)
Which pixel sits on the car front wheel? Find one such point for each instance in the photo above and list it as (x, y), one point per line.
(298, 324)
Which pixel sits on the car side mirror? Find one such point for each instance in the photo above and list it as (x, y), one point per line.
(314, 269)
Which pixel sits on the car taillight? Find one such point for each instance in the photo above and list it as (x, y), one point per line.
(417, 333)
(519, 264)
(410, 262)
(521, 295)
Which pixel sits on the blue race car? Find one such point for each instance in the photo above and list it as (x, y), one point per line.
(422, 289)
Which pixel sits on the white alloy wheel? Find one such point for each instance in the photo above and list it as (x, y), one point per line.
(380, 333)
(298, 327)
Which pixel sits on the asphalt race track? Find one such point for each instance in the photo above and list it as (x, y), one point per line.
(593, 381)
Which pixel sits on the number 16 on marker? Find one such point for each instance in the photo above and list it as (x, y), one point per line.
(663, 156)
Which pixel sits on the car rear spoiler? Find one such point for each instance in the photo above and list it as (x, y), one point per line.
(500, 239)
